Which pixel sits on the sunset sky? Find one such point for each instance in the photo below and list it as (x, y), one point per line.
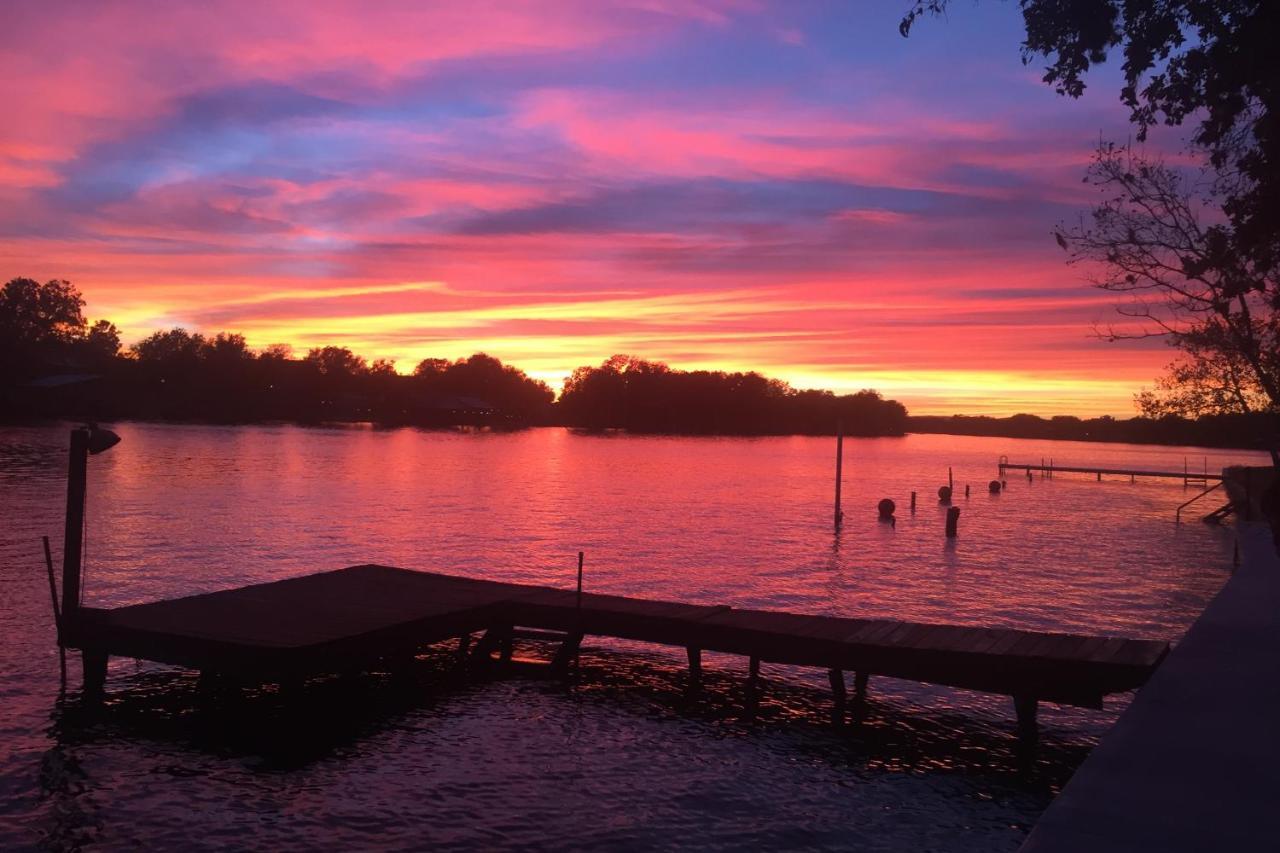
(788, 187)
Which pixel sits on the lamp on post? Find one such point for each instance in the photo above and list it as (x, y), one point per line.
(85, 441)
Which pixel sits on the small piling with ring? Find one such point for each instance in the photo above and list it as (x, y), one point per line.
(953, 518)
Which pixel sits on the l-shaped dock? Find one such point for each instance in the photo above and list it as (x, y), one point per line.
(356, 617)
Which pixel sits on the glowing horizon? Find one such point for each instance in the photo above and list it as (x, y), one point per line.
(787, 188)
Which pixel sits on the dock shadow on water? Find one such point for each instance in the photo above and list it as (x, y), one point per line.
(626, 725)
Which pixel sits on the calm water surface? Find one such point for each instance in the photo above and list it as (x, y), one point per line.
(624, 758)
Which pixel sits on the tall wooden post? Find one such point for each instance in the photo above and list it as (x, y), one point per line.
(839, 515)
(72, 541)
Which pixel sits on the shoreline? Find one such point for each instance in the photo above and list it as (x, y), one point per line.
(611, 432)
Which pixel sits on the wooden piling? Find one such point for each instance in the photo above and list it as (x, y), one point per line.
(73, 534)
(695, 664)
(913, 501)
(1025, 707)
(951, 480)
(953, 518)
(836, 677)
(95, 672)
(860, 685)
(753, 671)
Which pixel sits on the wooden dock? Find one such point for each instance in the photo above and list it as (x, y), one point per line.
(1131, 473)
(355, 617)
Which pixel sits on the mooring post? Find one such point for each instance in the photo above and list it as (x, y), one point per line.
(966, 490)
(951, 480)
(695, 664)
(73, 542)
(860, 685)
(913, 501)
(953, 518)
(753, 671)
(839, 515)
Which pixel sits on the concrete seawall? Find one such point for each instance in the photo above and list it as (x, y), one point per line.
(1194, 762)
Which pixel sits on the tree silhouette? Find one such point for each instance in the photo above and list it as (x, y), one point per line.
(1186, 280)
(1208, 61)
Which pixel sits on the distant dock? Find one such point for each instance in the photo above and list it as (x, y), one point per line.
(1050, 469)
(359, 616)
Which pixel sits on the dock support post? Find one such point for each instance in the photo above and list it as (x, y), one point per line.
(860, 685)
(913, 501)
(1026, 707)
(836, 677)
(695, 664)
(95, 672)
(72, 541)
(508, 645)
(567, 652)
(1099, 476)
(753, 671)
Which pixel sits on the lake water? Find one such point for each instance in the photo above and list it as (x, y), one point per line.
(624, 758)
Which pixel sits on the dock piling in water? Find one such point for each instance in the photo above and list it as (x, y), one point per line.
(953, 518)
(839, 514)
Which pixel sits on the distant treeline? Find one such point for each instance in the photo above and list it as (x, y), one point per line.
(54, 363)
(1254, 431)
(648, 396)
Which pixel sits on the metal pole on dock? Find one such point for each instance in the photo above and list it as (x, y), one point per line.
(839, 515)
(579, 582)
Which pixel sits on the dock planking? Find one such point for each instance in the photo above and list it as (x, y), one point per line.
(355, 616)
